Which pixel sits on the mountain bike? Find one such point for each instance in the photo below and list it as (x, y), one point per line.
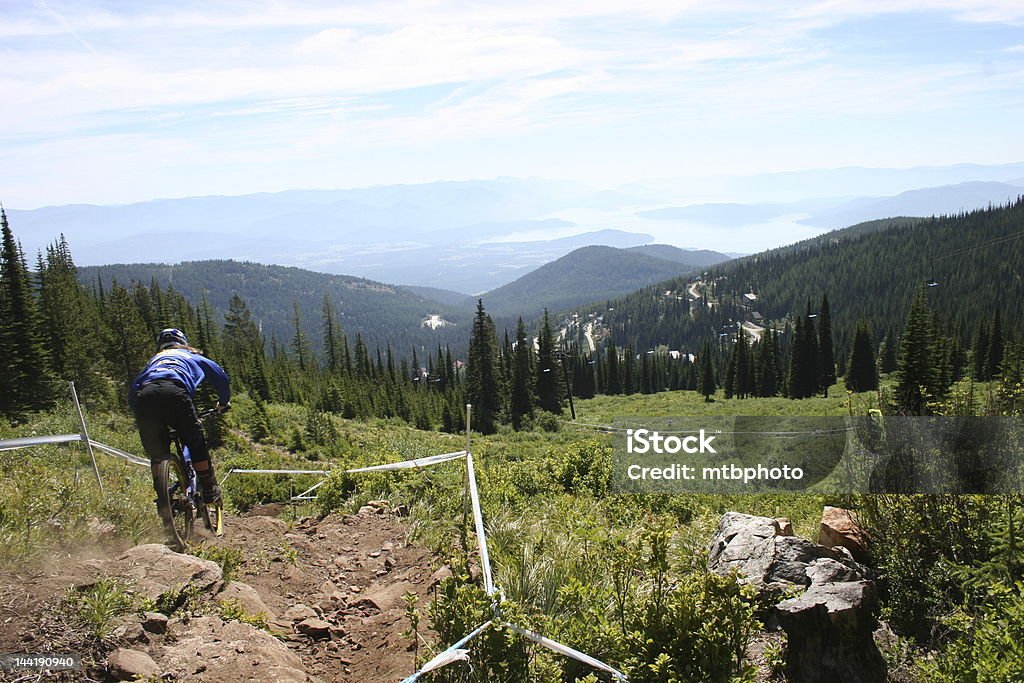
(179, 500)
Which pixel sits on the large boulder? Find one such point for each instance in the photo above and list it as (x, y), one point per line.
(210, 649)
(840, 528)
(155, 571)
(830, 634)
(764, 557)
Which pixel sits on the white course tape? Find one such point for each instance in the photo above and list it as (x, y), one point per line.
(455, 653)
(569, 652)
(478, 519)
(25, 442)
(410, 464)
(118, 453)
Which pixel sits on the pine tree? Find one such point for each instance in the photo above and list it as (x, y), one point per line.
(69, 324)
(332, 338)
(861, 370)
(887, 353)
(27, 383)
(706, 384)
(482, 384)
(521, 396)
(916, 367)
(628, 371)
(128, 342)
(613, 380)
(995, 347)
(300, 345)
(550, 386)
(980, 349)
(826, 354)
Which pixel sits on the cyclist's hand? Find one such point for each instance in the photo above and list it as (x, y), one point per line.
(223, 407)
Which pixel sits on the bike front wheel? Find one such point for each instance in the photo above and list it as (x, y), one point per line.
(173, 504)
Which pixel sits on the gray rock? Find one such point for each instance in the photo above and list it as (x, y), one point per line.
(765, 557)
(128, 665)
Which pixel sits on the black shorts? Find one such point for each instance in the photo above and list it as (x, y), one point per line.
(163, 404)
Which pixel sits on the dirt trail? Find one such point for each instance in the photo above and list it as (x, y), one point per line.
(333, 589)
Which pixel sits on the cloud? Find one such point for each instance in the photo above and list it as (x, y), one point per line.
(314, 80)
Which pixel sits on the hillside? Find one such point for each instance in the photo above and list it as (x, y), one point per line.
(870, 270)
(692, 258)
(587, 274)
(381, 313)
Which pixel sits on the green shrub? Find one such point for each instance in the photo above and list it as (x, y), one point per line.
(985, 644)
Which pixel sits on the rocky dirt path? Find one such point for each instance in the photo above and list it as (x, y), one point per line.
(332, 591)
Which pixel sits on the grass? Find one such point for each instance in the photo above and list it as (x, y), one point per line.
(602, 409)
(98, 606)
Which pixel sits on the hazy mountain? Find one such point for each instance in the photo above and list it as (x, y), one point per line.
(692, 258)
(582, 276)
(931, 201)
(444, 296)
(381, 313)
(735, 215)
(871, 271)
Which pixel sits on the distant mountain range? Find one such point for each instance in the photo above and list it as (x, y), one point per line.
(839, 212)
(380, 313)
(971, 261)
(477, 235)
(590, 274)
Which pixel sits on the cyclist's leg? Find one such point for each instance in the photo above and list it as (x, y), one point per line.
(190, 430)
(150, 417)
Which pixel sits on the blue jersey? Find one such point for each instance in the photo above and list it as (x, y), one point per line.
(188, 369)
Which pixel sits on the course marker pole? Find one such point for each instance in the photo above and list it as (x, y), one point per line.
(85, 435)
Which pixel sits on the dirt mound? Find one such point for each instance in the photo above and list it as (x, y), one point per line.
(332, 593)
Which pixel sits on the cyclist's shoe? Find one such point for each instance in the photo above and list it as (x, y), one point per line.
(211, 490)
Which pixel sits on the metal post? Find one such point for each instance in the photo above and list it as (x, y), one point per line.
(465, 491)
(568, 386)
(85, 435)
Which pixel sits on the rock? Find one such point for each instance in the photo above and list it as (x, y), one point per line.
(839, 527)
(227, 650)
(129, 665)
(247, 597)
(387, 597)
(317, 629)
(154, 622)
(764, 558)
(830, 634)
(134, 633)
(785, 526)
(156, 571)
(299, 612)
(440, 575)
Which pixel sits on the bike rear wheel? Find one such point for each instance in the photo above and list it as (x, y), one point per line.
(173, 504)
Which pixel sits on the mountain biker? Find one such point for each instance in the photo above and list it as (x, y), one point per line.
(162, 397)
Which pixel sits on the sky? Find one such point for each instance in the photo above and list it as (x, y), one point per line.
(116, 102)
